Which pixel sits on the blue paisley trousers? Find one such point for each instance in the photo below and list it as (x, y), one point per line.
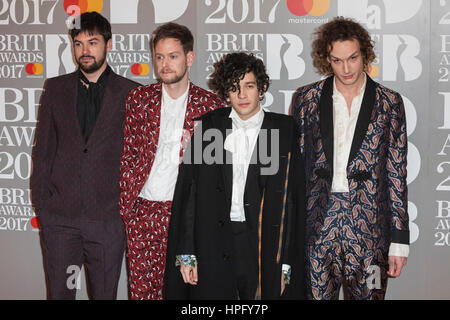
(337, 257)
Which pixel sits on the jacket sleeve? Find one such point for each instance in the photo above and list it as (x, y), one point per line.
(396, 171)
(129, 153)
(44, 151)
(185, 203)
(181, 229)
(296, 220)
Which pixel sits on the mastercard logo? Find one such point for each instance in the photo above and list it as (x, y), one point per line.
(35, 223)
(140, 69)
(34, 68)
(312, 7)
(84, 5)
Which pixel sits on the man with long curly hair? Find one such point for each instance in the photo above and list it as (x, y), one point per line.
(353, 141)
(236, 226)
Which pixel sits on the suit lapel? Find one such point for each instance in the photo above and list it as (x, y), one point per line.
(225, 126)
(189, 116)
(109, 101)
(326, 120)
(254, 168)
(153, 115)
(70, 99)
(365, 113)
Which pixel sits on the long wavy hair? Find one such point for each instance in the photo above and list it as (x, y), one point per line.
(340, 29)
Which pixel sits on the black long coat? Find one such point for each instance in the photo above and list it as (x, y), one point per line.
(200, 222)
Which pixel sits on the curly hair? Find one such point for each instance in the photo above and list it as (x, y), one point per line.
(232, 68)
(340, 29)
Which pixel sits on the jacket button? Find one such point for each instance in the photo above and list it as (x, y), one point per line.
(221, 223)
(219, 189)
(226, 257)
(85, 150)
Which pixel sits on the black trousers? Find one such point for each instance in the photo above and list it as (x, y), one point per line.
(69, 243)
(245, 262)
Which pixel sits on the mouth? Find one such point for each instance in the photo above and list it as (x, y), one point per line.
(86, 58)
(348, 77)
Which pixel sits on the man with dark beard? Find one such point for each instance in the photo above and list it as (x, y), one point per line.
(75, 180)
(158, 122)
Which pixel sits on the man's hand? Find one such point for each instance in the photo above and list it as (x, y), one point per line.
(189, 273)
(396, 265)
(283, 285)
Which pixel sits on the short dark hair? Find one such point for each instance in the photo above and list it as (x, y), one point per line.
(176, 31)
(232, 68)
(340, 29)
(92, 22)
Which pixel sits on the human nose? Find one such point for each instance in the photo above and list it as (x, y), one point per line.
(164, 62)
(346, 67)
(84, 49)
(242, 93)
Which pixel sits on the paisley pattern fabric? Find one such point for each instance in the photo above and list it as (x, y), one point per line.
(376, 169)
(340, 256)
(146, 258)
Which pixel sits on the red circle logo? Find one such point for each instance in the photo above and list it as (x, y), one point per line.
(312, 7)
(35, 222)
(76, 7)
(34, 68)
(140, 69)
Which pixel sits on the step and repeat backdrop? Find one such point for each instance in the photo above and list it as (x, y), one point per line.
(413, 57)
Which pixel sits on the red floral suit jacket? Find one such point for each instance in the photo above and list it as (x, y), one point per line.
(141, 134)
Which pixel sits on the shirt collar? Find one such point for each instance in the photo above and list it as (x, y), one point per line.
(180, 101)
(101, 80)
(251, 122)
(167, 98)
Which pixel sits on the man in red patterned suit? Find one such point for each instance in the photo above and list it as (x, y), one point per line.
(158, 123)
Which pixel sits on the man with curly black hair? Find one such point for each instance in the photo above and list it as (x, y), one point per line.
(354, 143)
(237, 218)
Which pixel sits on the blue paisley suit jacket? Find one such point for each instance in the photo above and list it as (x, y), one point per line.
(376, 168)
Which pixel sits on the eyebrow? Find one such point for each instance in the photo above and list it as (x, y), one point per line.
(172, 52)
(89, 39)
(346, 58)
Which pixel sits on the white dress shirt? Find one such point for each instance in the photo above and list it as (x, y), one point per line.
(241, 143)
(160, 185)
(344, 124)
(344, 128)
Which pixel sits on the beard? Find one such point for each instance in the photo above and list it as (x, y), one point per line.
(94, 66)
(174, 79)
